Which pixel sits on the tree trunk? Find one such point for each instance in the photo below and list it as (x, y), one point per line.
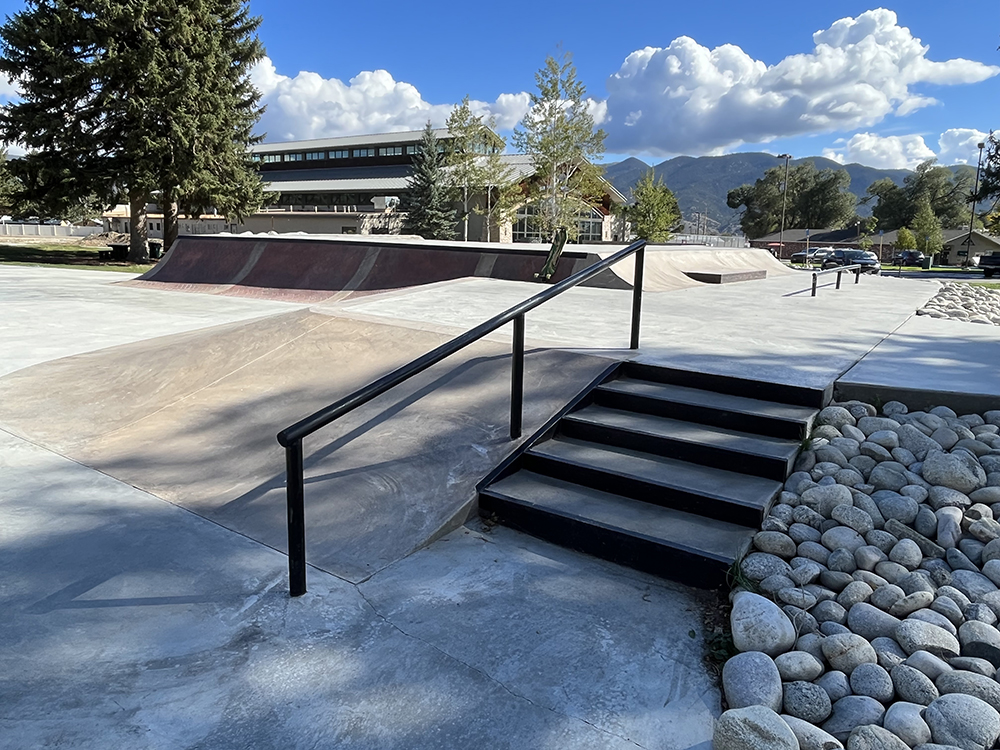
(169, 208)
(138, 250)
(465, 213)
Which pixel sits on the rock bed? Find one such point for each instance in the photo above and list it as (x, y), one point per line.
(969, 302)
(878, 572)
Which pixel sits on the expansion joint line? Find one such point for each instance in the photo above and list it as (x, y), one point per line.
(489, 677)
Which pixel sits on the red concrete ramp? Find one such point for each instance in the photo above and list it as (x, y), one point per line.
(311, 268)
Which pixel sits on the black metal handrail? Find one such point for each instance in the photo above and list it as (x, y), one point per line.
(291, 437)
(837, 270)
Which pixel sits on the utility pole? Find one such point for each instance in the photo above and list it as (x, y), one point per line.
(784, 195)
(979, 166)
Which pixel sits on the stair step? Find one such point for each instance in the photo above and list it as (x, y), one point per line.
(731, 450)
(691, 488)
(707, 407)
(690, 549)
(800, 395)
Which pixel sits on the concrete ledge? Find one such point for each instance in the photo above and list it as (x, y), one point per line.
(915, 398)
(726, 277)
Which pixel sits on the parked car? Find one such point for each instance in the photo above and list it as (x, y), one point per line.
(814, 255)
(908, 258)
(867, 260)
(989, 264)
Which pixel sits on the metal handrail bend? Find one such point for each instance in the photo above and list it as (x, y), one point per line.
(291, 437)
(837, 270)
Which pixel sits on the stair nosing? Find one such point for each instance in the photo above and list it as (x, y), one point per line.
(608, 527)
(659, 483)
(609, 387)
(575, 417)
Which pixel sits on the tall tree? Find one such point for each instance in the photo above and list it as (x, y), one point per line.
(653, 212)
(428, 203)
(813, 199)
(905, 239)
(468, 140)
(946, 192)
(559, 134)
(502, 193)
(927, 228)
(989, 183)
(107, 89)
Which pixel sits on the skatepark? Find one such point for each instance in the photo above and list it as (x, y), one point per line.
(143, 518)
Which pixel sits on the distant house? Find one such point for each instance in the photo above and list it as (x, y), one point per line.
(884, 244)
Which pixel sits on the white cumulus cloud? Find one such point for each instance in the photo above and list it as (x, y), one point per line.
(883, 152)
(310, 106)
(687, 98)
(960, 145)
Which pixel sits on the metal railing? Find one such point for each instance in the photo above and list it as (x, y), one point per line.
(291, 437)
(838, 270)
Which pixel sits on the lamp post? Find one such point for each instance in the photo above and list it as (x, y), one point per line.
(979, 166)
(784, 192)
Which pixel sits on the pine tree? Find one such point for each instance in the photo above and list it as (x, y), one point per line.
(558, 133)
(905, 240)
(654, 212)
(428, 203)
(130, 98)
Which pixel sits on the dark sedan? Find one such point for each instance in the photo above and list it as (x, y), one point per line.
(815, 255)
(867, 260)
(908, 258)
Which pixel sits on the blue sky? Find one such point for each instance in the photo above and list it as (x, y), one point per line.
(886, 86)
(889, 105)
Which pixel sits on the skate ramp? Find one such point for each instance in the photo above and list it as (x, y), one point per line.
(192, 418)
(316, 268)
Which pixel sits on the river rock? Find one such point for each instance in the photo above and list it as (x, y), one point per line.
(836, 416)
(806, 701)
(934, 618)
(981, 612)
(851, 712)
(836, 684)
(972, 664)
(916, 442)
(775, 543)
(752, 679)
(906, 721)
(970, 683)
(902, 531)
(906, 553)
(963, 721)
(759, 625)
(853, 593)
(930, 665)
(842, 537)
(752, 728)
(888, 653)
(870, 622)
(949, 526)
(811, 737)
(981, 641)
(959, 471)
(759, 565)
(892, 505)
(917, 635)
(873, 681)
(798, 665)
(913, 685)
(871, 425)
(830, 611)
(872, 737)
(854, 518)
(972, 584)
(845, 652)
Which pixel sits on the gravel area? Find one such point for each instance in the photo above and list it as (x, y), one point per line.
(868, 615)
(969, 302)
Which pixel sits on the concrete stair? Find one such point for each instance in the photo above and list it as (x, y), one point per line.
(652, 471)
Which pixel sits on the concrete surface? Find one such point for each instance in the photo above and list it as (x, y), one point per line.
(770, 329)
(128, 623)
(931, 362)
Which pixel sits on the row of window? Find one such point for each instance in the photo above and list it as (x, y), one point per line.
(340, 153)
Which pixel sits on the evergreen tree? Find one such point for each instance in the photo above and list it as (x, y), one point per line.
(989, 184)
(129, 98)
(654, 212)
(558, 133)
(905, 239)
(428, 203)
(946, 192)
(927, 229)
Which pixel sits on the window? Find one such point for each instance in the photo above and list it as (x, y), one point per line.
(293, 157)
(256, 157)
(315, 155)
(340, 153)
(391, 151)
(271, 158)
(590, 223)
(413, 149)
(362, 152)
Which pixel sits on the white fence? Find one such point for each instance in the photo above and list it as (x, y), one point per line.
(712, 240)
(46, 230)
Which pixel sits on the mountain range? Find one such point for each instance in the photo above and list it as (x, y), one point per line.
(702, 183)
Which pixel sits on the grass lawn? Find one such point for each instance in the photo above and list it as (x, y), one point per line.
(63, 254)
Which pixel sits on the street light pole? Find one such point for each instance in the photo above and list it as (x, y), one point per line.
(784, 194)
(972, 217)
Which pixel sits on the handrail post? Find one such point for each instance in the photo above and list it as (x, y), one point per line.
(839, 274)
(640, 257)
(857, 275)
(517, 377)
(815, 278)
(296, 519)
